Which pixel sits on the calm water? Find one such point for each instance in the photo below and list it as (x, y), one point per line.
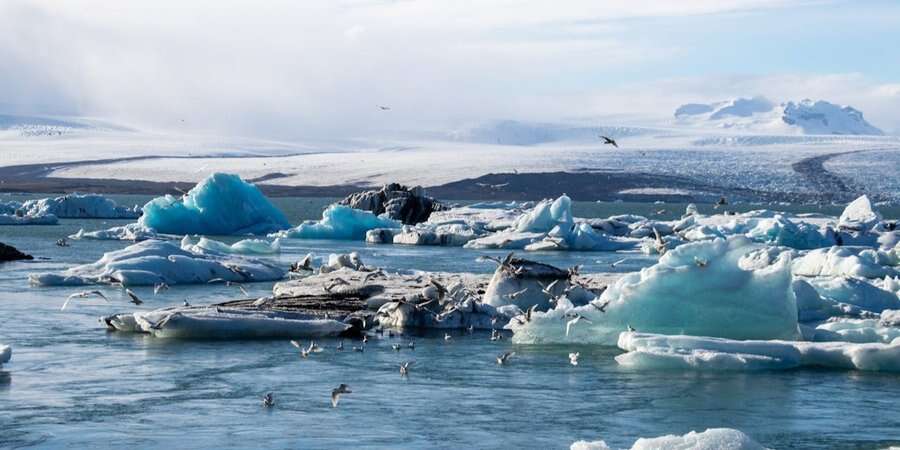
(71, 384)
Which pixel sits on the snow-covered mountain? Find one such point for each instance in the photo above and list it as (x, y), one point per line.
(763, 115)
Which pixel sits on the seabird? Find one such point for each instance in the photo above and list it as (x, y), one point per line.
(134, 297)
(337, 392)
(720, 202)
(630, 328)
(700, 262)
(83, 294)
(404, 368)
(411, 345)
(601, 308)
(63, 242)
(548, 289)
(186, 304)
(340, 346)
(384, 108)
(575, 319)
(159, 287)
(530, 311)
(269, 400)
(502, 358)
(337, 281)
(616, 263)
(396, 347)
(573, 358)
(513, 295)
(447, 337)
(496, 335)
(609, 141)
(359, 349)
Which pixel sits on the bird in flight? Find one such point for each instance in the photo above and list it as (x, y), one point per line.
(336, 394)
(609, 141)
(83, 294)
(384, 108)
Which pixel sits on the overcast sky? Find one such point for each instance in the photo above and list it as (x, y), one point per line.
(293, 69)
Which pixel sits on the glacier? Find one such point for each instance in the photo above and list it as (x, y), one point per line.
(152, 261)
(68, 206)
(221, 204)
(339, 222)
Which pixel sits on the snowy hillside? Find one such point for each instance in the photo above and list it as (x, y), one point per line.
(511, 132)
(758, 114)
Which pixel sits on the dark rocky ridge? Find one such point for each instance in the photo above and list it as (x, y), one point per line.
(10, 253)
(408, 205)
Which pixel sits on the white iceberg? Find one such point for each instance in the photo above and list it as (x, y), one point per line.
(219, 322)
(131, 232)
(711, 439)
(15, 219)
(222, 204)
(242, 247)
(339, 222)
(729, 288)
(856, 262)
(859, 215)
(80, 206)
(857, 330)
(152, 261)
(656, 351)
(856, 292)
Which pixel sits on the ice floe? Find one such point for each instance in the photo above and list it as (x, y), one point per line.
(153, 261)
(339, 222)
(730, 288)
(656, 351)
(5, 354)
(242, 247)
(131, 232)
(15, 219)
(221, 204)
(80, 206)
(711, 439)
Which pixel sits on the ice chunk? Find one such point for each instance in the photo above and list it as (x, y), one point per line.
(152, 261)
(14, 219)
(546, 215)
(857, 330)
(859, 215)
(242, 247)
(339, 222)
(80, 206)
(217, 322)
(846, 261)
(781, 231)
(854, 291)
(711, 439)
(654, 351)
(131, 232)
(222, 204)
(704, 288)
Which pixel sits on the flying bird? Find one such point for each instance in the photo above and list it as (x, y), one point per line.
(404, 368)
(575, 319)
(609, 141)
(134, 297)
(502, 358)
(616, 263)
(159, 287)
(384, 108)
(269, 400)
(337, 392)
(83, 294)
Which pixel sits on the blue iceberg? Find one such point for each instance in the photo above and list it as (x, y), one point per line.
(340, 222)
(222, 204)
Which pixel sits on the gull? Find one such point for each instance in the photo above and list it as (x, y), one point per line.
(548, 288)
(616, 263)
(601, 308)
(186, 304)
(303, 264)
(492, 186)
(660, 244)
(396, 347)
(337, 392)
(720, 202)
(573, 358)
(159, 287)
(83, 294)
(411, 345)
(575, 319)
(359, 349)
(178, 189)
(660, 212)
(700, 262)
(630, 328)
(162, 322)
(269, 400)
(340, 346)
(216, 280)
(404, 368)
(264, 301)
(313, 348)
(63, 242)
(496, 335)
(529, 311)
(513, 295)
(470, 329)
(243, 291)
(384, 108)
(134, 297)
(502, 358)
(609, 141)
(447, 337)
(365, 338)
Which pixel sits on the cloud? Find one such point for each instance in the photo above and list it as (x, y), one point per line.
(289, 69)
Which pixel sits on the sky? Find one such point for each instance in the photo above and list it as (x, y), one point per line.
(299, 69)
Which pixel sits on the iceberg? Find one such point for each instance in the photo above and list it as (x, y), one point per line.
(80, 206)
(856, 292)
(656, 351)
(15, 219)
(150, 262)
(131, 232)
(222, 204)
(855, 262)
(219, 322)
(5, 354)
(857, 330)
(859, 215)
(711, 439)
(339, 222)
(730, 288)
(242, 247)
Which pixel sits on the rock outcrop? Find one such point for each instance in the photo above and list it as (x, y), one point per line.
(402, 203)
(10, 253)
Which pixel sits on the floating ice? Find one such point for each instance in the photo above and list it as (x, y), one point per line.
(847, 261)
(521, 282)
(217, 322)
(222, 204)
(339, 222)
(131, 232)
(711, 439)
(857, 292)
(656, 351)
(152, 261)
(243, 247)
(80, 206)
(13, 219)
(857, 330)
(730, 288)
(859, 215)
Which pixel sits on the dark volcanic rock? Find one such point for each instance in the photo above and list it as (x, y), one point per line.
(408, 205)
(9, 253)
